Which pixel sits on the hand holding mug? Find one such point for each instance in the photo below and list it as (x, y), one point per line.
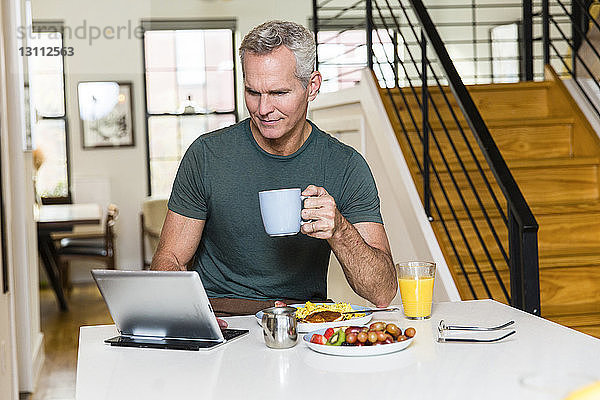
(320, 209)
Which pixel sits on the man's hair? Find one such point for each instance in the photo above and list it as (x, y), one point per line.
(269, 36)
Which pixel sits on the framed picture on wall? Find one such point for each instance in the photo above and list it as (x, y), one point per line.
(105, 111)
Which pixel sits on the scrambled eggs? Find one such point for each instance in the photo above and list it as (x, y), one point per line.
(310, 308)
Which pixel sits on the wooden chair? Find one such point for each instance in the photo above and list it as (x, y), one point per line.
(89, 246)
(152, 217)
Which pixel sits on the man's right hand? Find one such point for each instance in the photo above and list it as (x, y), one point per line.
(280, 304)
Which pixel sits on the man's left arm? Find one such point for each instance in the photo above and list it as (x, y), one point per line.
(362, 249)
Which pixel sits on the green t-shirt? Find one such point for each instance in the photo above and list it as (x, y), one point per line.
(218, 181)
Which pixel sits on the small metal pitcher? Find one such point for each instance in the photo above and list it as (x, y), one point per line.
(280, 327)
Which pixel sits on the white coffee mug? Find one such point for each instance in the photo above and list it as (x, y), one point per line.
(280, 210)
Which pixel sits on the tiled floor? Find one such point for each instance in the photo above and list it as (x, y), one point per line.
(61, 335)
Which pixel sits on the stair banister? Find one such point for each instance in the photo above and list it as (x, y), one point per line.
(522, 223)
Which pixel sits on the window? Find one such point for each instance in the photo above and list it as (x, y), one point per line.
(505, 53)
(343, 54)
(49, 122)
(190, 90)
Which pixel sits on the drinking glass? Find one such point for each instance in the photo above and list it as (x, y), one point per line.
(415, 279)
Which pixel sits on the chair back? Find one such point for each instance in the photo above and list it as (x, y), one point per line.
(155, 212)
(112, 214)
(152, 217)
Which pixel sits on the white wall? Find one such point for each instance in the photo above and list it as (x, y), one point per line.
(8, 368)
(121, 59)
(591, 91)
(17, 329)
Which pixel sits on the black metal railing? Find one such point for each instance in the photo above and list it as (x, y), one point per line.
(573, 49)
(468, 31)
(466, 186)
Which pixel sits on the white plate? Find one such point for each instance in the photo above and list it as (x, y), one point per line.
(304, 327)
(355, 351)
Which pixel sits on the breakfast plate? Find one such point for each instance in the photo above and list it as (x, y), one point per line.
(354, 351)
(304, 327)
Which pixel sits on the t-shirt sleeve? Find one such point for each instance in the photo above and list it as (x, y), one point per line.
(188, 196)
(360, 199)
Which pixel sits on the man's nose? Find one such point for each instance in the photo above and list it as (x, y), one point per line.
(265, 105)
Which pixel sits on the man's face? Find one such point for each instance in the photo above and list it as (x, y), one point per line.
(276, 100)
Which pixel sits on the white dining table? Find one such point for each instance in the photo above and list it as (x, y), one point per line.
(56, 216)
(543, 360)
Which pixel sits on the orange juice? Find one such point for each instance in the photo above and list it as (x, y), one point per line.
(417, 296)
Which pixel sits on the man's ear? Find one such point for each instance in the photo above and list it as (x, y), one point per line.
(314, 84)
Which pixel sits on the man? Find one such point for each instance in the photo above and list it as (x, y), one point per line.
(214, 210)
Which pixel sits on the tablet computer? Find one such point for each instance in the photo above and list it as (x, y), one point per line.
(161, 309)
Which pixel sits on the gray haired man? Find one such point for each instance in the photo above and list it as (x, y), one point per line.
(214, 211)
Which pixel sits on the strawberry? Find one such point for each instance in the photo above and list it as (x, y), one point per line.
(319, 339)
(328, 333)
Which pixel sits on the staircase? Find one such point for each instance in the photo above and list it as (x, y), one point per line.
(554, 155)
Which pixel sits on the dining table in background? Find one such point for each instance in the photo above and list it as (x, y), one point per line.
(60, 217)
(543, 360)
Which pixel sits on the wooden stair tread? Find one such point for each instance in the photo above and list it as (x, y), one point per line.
(513, 141)
(534, 163)
(562, 291)
(492, 100)
(491, 122)
(566, 208)
(574, 318)
(538, 209)
(553, 120)
(561, 180)
(570, 260)
(592, 330)
(584, 323)
(510, 86)
(567, 183)
(485, 87)
(558, 233)
(548, 260)
(553, 162)
(585, 313)
(408, 106)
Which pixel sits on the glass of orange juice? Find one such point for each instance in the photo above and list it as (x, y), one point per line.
(415, 279)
